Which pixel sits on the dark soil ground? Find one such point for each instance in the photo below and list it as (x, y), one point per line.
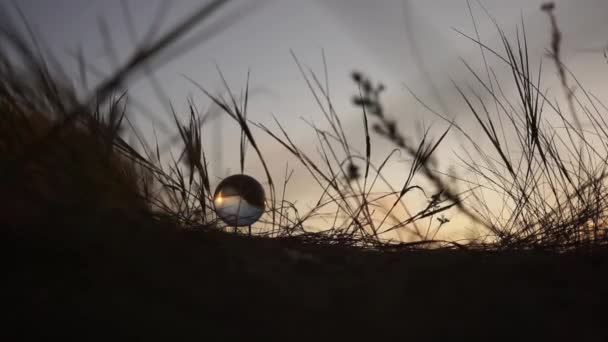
(134, 281)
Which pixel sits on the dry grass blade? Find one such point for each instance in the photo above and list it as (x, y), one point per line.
(141, 56)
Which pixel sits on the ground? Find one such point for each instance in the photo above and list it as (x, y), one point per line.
(154, 282)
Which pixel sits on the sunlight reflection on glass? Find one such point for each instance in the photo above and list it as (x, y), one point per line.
(239, 200)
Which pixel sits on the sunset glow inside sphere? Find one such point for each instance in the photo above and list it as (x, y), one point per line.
(239, 200)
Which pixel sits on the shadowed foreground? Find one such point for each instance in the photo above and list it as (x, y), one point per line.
(142, 281)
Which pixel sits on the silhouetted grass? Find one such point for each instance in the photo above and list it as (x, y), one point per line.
(103, 231)
(546, 169)
(37, 96)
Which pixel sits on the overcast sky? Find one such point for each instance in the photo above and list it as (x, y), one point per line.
(383, 38)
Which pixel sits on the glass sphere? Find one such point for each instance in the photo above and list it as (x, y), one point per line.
(239, 200)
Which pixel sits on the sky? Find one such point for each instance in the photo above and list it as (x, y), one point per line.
(400, 43)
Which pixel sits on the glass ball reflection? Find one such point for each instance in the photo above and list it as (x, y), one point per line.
(239, 200)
